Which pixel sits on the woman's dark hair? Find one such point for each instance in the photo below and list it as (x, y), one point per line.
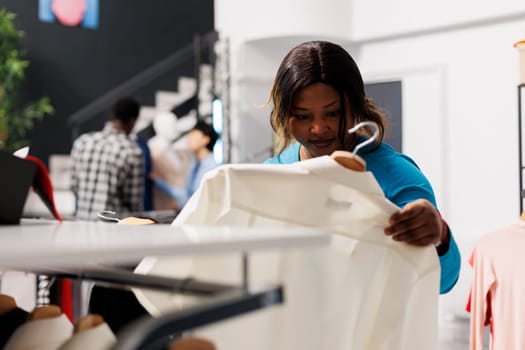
(209, 131)
(322, 62)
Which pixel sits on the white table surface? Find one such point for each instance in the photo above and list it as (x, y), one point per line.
(43, 244)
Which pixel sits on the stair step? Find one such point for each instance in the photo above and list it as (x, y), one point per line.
(146, 115)
(166, 100)
(187, 86)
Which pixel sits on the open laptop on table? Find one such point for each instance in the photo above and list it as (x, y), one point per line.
(16, 177)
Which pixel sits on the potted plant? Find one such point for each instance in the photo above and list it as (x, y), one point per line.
(15, 119)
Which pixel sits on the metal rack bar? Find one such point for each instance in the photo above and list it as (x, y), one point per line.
(117, 277)
(156, 333)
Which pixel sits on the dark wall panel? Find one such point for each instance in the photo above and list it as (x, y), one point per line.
(75, 65)
(388, 96)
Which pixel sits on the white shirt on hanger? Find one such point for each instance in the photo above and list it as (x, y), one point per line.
(364, 291)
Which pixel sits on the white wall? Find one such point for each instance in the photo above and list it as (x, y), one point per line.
(379, 18)
(460, 74)
(243, 20)
(479, 111)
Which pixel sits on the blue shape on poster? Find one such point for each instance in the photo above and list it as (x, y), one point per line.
(45, 14)
(90, 19)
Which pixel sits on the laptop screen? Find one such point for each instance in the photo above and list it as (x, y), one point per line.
(16, 176)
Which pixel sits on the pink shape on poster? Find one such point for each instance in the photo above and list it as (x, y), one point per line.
(69, 12)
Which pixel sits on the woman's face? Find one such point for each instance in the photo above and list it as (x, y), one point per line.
(314, 120)
(197, 140)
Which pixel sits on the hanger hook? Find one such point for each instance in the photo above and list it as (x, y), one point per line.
(108, 215)
(370, 139)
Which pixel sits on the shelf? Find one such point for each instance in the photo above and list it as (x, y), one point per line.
(51, 246)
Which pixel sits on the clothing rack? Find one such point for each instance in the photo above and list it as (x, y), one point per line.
(84, 250)
(156, 333)
(222, 302)
(114, 277)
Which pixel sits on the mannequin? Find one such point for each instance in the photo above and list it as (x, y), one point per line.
(43, 312)
(11, 317)
(90, 332)
(497, 288)
(192, 343)
(88, 322)
(7, 303)
(46, 327)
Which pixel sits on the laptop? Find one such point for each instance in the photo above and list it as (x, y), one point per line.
(16, 177)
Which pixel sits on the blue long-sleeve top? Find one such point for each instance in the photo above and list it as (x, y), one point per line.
(402, 182)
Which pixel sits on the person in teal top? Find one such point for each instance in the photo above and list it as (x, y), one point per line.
(317, 95)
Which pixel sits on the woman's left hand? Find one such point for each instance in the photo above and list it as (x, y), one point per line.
(418, 223)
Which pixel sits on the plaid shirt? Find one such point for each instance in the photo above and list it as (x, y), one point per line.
(107, 173)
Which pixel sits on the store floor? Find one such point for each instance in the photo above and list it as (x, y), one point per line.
(454, 334)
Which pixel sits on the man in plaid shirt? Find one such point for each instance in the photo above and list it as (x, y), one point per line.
(107, 167)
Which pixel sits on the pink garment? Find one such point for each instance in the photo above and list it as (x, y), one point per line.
(497, 295)
(69, 12)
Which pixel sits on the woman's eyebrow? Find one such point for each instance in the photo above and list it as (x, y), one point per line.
(324, 107)
(331, 104)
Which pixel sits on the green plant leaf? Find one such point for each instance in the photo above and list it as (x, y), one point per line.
(15, 119)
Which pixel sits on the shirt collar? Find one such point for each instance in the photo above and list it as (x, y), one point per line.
(328, 168)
